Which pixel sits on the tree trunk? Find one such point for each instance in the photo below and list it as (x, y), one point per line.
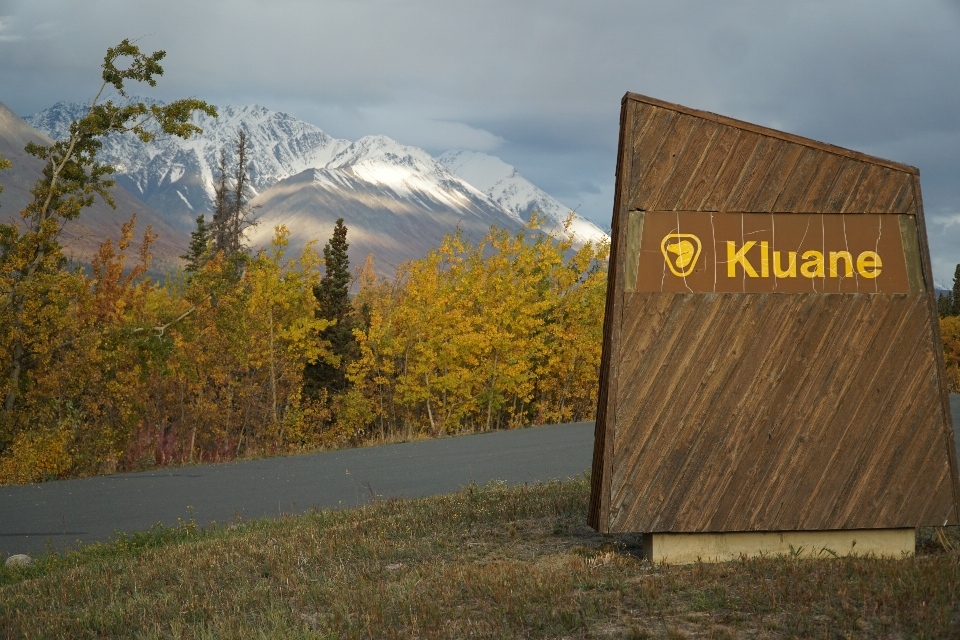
(273, 373)
(493, 382)
(433, 426)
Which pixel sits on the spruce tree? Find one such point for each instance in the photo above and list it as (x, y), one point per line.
(945, 305)
(196, 254)
(333, 292)
(955, 311)
(333, 300)
(219, 204)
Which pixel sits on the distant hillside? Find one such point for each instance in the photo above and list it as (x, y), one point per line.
(397, 200)
(81, 238)
(398, 203)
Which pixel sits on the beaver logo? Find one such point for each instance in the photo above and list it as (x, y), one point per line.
(680, 250)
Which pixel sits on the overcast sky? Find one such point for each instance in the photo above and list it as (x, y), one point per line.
(536, 83)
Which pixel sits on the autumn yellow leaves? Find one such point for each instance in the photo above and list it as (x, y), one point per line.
(129, 372)
(503, 333)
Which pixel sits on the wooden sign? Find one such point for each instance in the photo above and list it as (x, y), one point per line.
(772, 253)
(772, 358)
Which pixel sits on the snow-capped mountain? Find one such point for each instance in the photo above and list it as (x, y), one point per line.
(397, 200)
(81, 238)
(304, 178)
(175, 176)
(504, 184)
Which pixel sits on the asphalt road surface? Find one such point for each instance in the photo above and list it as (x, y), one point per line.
(93, 509)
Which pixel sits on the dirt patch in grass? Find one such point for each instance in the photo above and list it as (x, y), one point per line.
(490, 562)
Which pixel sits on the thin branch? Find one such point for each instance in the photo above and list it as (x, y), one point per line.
(159, 330)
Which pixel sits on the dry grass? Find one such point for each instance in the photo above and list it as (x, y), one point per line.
(491, 562)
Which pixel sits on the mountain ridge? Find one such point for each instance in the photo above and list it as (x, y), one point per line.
(508, 188)
(373, 179)
(399, 203)
(80, 238)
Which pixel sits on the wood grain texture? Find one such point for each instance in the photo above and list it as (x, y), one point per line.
(765, 412)
(598, 512)
(785, 422)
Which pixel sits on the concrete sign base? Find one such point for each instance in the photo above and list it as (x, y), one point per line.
(689, 548)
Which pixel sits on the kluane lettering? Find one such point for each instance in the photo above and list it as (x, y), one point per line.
(841, 263)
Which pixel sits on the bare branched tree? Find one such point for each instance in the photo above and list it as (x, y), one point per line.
(232, 213)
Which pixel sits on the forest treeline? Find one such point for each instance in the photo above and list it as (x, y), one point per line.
(247, 354)
(216, 363)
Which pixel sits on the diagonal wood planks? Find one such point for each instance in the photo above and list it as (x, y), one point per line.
(756, 411)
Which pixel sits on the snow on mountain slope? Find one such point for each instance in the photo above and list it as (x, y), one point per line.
(81, 237)
(175, 176)
(398, 203)
(411, 173)
(305, 179)
(504, 184)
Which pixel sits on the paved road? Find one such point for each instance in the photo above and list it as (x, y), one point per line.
(92, 509)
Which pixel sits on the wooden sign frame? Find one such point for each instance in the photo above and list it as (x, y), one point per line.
(766, 411)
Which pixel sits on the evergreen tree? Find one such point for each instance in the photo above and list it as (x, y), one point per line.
(945, 305)
(333, 292)
(955, 311)
(196, 254)
(333, 300)
(232, 214)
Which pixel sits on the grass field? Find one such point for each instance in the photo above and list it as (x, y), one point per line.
(487, 562)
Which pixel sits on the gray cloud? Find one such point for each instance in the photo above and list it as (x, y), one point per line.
(538, 83)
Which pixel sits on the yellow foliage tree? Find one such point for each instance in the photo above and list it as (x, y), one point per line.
(475, 337)
(950, 334)
(232, 356)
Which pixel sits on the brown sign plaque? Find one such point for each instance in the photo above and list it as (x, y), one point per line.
(705, 252)
(771, 356)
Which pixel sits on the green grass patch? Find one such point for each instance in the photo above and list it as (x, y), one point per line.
(488, 562)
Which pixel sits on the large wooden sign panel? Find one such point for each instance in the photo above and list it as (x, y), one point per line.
(772, 356)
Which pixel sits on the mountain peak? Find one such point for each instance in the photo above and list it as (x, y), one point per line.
(504, 184)
(479, 169)
(175, 177)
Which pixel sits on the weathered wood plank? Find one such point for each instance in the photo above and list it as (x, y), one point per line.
(731, 467)
(687, 166)
(798, 183)
(769, 190)
(732, 170)
(701, 183)
(649, 102)
(605, 428)
(819, 187)
(905, 200)
(644, 151)
(743, 192)
(886, 192)
(845, 183)
(663, 163)
(865, 193)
